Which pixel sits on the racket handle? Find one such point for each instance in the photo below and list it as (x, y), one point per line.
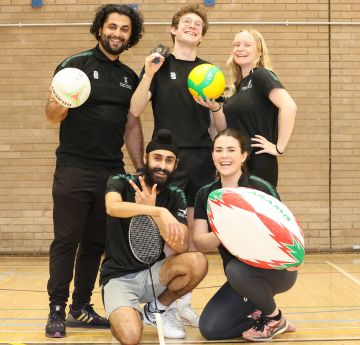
(159, 327)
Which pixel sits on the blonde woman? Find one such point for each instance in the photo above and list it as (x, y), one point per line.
(256, 104)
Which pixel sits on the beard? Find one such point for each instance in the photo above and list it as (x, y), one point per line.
(151, 178)
(105, 42)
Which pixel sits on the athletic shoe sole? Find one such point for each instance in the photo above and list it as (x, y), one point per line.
(186, 322)
(279, 331)
(80, 324)
(55, 335)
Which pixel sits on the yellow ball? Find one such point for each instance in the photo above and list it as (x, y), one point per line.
(206, 80)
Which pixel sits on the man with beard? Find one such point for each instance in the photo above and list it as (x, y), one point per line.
(125, 280)
(91, 138)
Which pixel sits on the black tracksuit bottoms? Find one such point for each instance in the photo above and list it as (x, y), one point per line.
(79, 232)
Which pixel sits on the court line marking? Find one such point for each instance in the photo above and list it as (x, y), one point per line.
(346, 274)
(46, 264)
(100, 332)
(182, 341)
(338, 308)
(293, 313)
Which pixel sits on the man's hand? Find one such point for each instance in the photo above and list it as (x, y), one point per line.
(144, 196)
(54, 111)
(174, 229)
(52, 99)
(150, 67)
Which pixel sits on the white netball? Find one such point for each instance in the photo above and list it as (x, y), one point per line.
(71, 87)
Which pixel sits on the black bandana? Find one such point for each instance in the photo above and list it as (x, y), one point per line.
(163, 140)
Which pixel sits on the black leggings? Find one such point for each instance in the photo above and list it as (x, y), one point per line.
(265, 166)
(247, 289)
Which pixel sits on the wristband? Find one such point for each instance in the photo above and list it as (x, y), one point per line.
(215, 111)
(277, 150)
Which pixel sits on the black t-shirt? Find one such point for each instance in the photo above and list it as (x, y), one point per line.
(174, 107)
(244, 181)
(91, 136)
(119, 259)
(250, 110)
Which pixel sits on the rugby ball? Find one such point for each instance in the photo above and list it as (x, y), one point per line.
(256, 228)
(71, 87)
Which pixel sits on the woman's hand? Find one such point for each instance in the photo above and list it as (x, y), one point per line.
(294, 268)
(264, 145)
(208, 103)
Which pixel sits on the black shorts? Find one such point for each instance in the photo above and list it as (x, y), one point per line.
(195, 170)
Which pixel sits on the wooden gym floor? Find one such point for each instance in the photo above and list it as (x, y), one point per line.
(324, 304)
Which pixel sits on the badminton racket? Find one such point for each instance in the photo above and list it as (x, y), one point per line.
(147, 245)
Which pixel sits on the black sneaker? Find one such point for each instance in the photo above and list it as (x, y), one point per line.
(55, 327)
(86, 317)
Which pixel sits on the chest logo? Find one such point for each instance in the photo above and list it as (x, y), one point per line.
(96, 75)
(181, 213)
(173, 75)
(248, 86)
(125, 84)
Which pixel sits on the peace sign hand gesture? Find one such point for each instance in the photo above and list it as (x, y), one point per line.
(143, 196)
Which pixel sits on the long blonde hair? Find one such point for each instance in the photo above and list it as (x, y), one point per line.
(235, 70)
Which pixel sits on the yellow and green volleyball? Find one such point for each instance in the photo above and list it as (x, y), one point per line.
(206, 80)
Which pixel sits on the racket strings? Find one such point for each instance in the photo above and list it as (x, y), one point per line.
(145, 240)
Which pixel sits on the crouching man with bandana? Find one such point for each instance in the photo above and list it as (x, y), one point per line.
(125, 281)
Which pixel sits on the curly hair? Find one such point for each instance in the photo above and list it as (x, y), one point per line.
(196, 9)
(137, 21)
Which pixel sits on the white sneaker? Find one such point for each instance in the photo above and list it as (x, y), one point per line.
(189, 316)
(171, 322)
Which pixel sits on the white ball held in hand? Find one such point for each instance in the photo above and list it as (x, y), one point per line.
(71, 87)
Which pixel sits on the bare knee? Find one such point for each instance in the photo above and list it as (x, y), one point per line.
(199, 264)
(126, 325)
(126, 337)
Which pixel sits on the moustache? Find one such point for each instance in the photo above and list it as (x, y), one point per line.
(113, 37)
(164, 171)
